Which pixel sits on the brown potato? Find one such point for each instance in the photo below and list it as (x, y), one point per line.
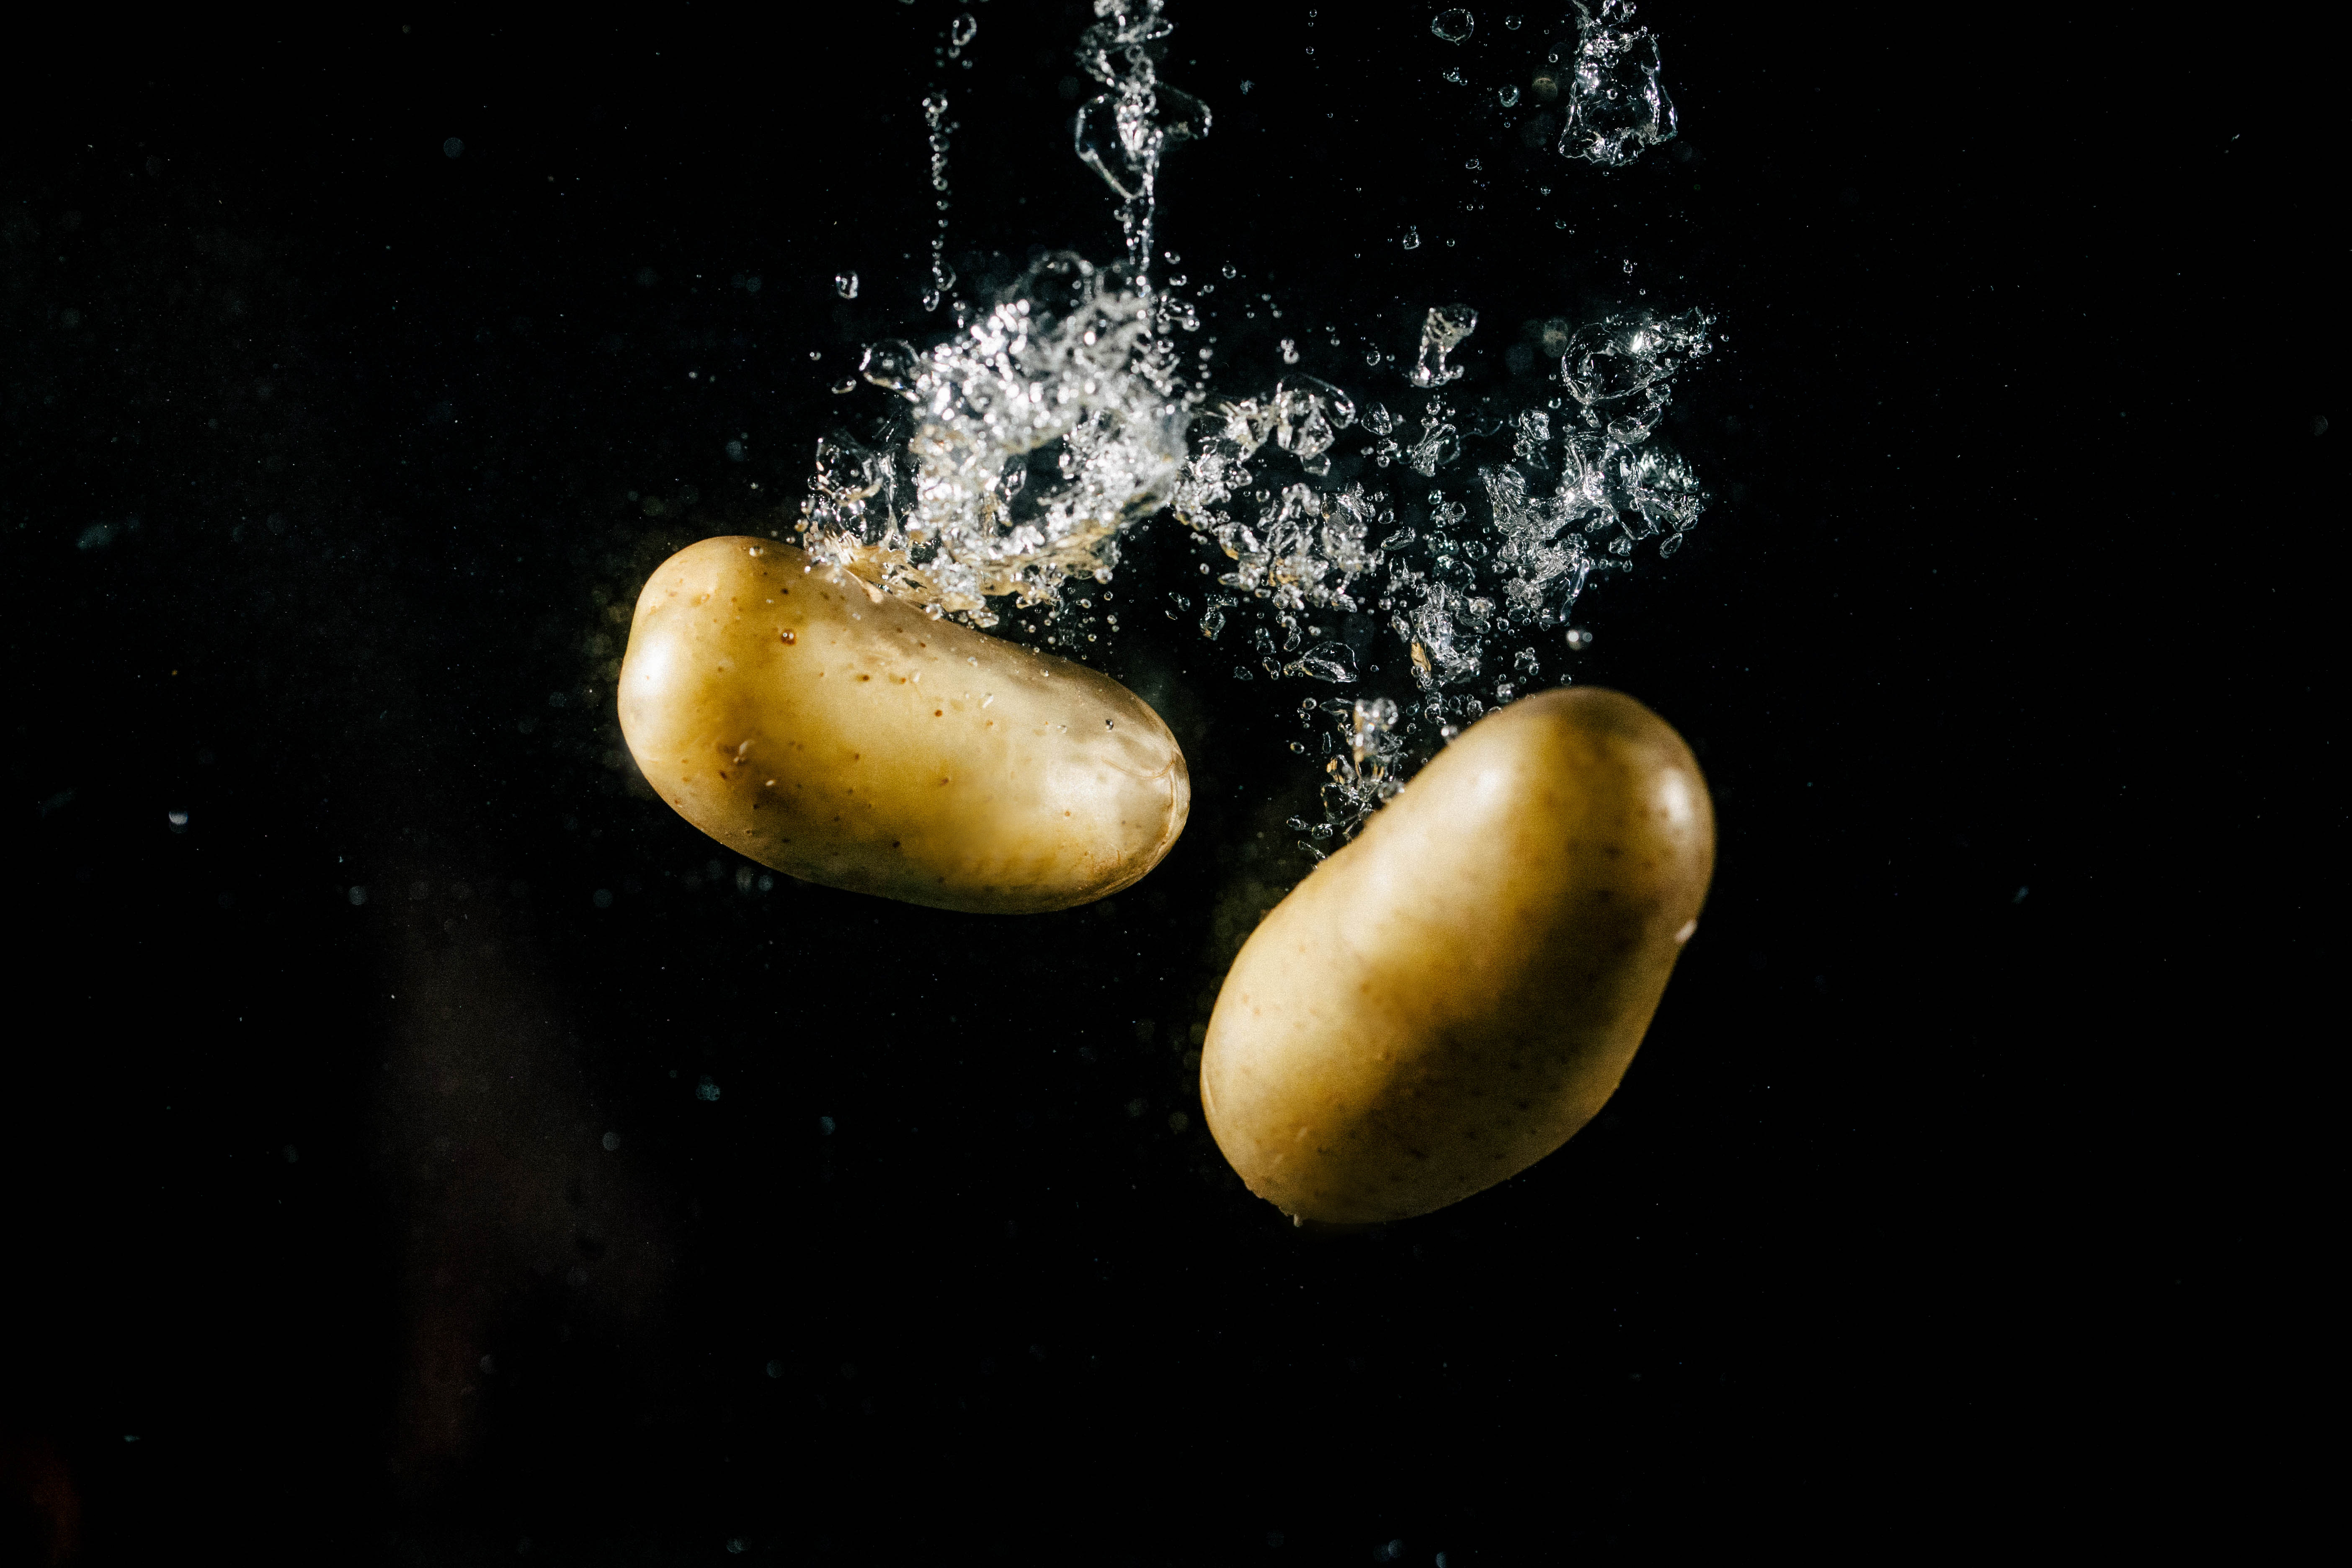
(1446, 1000)
(822, 727)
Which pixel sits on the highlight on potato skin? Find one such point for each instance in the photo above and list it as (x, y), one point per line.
(1450, 997)
(811, 722)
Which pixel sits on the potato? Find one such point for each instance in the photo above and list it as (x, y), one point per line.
(1447, 999)
(820, 726)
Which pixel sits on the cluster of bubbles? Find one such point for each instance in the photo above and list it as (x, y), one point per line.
(1479, 529)
(1435, 553)
(1036, 435)
(1617, 103)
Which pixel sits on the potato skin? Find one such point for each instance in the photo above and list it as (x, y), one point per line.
(1447, 999)
(825, 729)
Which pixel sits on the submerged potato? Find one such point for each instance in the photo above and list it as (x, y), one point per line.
(1447, 999)
(832, 732)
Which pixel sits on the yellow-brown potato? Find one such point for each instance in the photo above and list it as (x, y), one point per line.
(1447, 999)
(825, 729)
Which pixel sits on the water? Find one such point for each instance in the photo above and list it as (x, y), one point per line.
(1432, 579)
(1617, 105)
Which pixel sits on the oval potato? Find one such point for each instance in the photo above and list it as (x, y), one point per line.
(1448, 998)
(817, 725)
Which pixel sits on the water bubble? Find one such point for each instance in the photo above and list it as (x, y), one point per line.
(1621, 367)
(1578, 639)
(1444, 327)
(603, 898)
(1327, 661)
(1617, 106)
(1291, 350)
(453, 148)
(1455, 26)
(611, 1141)
(846, 285)
(890, 364)
(1510, 96)
(1513, 23)
(962, 30)
(847, 384)
(1411, 240)
(176, 819)
(706, 1090)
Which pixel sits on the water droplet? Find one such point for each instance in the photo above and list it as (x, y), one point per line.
(1411, 240)
(846, 285)
(1509, 95)
(962, 30)
(1578, 639)
(1455, 26)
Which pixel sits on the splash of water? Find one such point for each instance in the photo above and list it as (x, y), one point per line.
(1033, 436)
(1450, 593)
(1436, 575)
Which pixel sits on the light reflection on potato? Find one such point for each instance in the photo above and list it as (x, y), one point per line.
(822, 728)
(1449, 998)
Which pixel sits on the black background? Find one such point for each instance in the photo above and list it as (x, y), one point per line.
(1947, 1202)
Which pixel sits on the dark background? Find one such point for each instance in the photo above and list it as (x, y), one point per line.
(1952, 1198)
